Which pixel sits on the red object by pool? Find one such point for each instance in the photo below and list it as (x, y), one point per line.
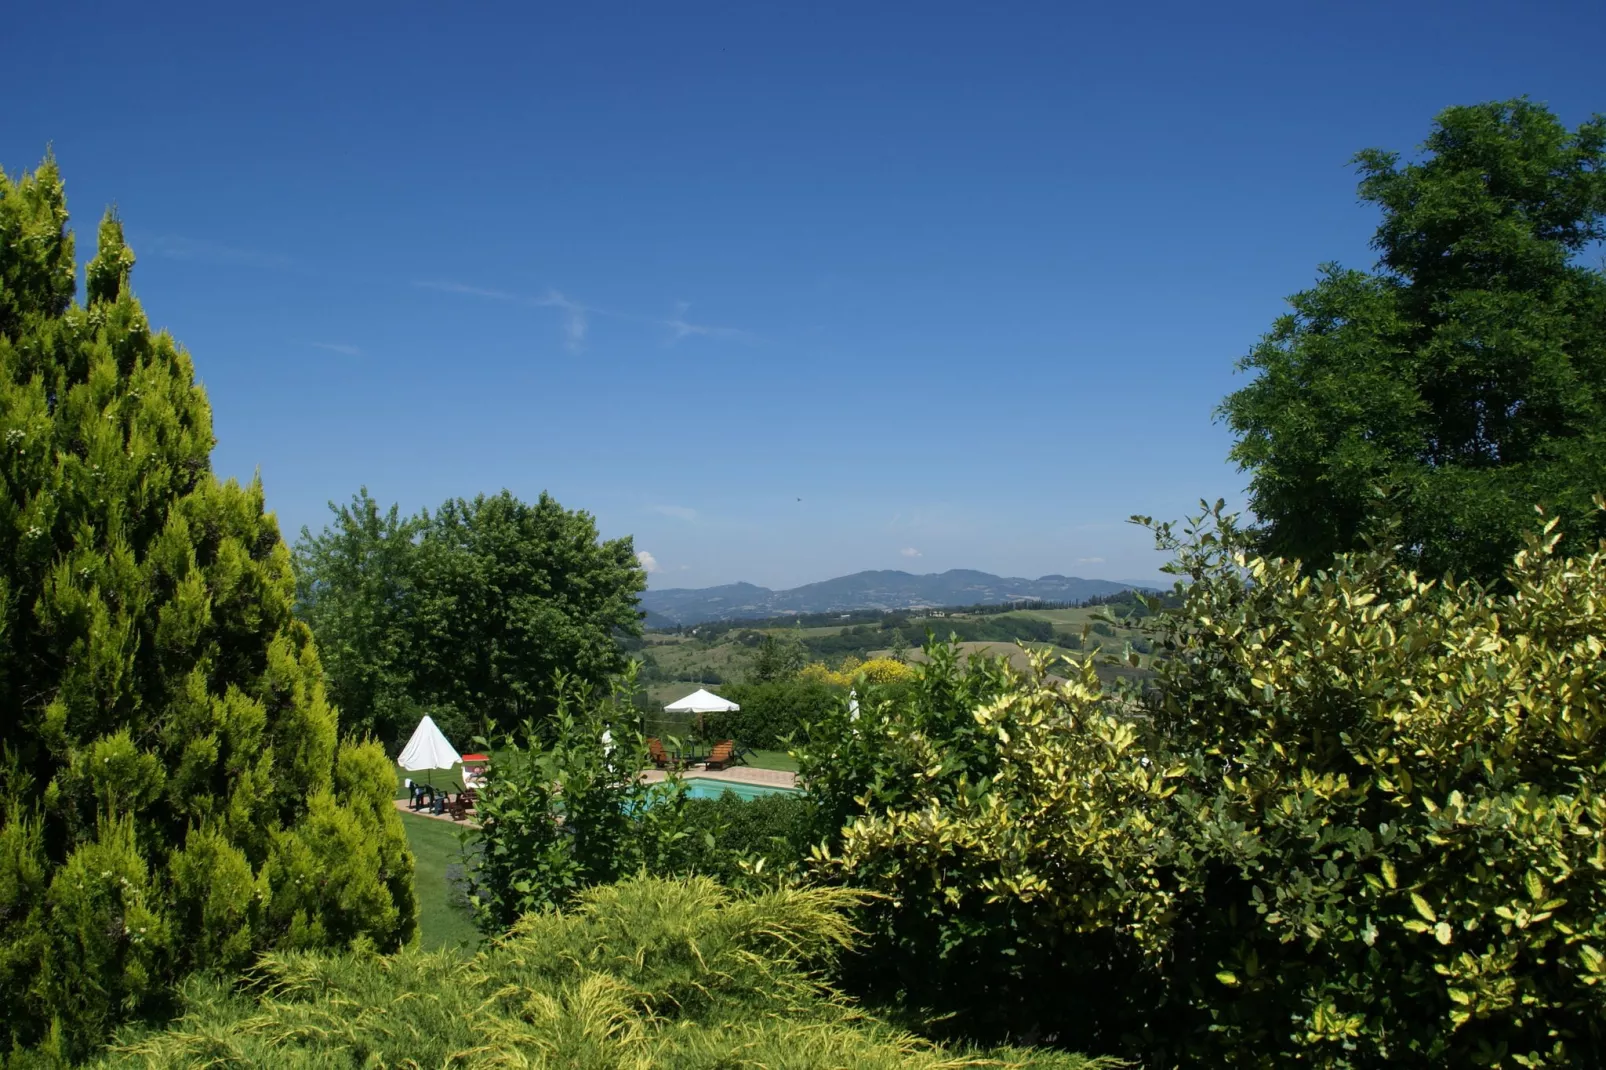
(476, 758)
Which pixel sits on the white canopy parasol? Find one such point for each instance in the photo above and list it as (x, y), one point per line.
(701, 701)
(428, 749)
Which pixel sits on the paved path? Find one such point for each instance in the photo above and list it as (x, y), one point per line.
(401, 804)
(741, 774)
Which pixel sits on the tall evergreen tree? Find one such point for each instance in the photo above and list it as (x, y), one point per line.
(173, 795)
(1466, 376)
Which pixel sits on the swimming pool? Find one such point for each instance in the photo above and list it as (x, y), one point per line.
(702, 787)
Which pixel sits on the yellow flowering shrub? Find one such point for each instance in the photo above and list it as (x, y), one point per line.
(885, 671)
(818, 672)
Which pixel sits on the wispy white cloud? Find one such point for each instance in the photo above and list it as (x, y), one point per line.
(338, 347)
(1090, 560)
(574, 324)
(574, 313)
(649, 563)
(680, 327)
(909, 551)
(204, 251)
(577, 314)
(473, 291)
(679, 512)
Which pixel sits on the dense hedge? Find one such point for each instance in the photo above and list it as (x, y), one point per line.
(771, 711)
(726, 832)
(1358, 824)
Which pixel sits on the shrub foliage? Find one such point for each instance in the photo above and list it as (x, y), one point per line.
(1359, 823)
(644, 974)
(172, 793)
(564, 808)
(771, 711)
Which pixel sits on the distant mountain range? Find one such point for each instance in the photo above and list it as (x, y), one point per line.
(883, 590)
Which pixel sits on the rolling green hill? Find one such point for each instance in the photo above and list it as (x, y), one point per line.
(709, 655)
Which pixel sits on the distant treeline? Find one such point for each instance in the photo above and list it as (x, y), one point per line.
(861, 639)
(898, 618)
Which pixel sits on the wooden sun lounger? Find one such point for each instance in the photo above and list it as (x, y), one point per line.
(723, 754)
(659, 756)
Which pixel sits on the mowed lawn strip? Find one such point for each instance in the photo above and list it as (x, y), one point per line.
(770, 759)
(436, 845)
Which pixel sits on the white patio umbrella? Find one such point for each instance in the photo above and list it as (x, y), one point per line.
(428, 749)
(701, 701)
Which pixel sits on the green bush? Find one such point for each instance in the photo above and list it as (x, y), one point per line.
(909, 746)
(561, 811)
(640, 975)
(173, 796)
(1359, 825)
(726, 838)
(771, 711)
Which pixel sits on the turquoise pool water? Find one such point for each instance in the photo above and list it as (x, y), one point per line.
(708, 788)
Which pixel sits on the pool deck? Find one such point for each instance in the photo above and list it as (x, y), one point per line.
(741, 774)
(467, 822)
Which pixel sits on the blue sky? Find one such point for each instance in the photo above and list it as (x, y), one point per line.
(968, 280)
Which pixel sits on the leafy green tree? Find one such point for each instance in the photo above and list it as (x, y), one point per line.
(915, 746)
(467, 614)
(510, 594)
(779, 657)
(1461, 382)
(355, 589)
(173, 795)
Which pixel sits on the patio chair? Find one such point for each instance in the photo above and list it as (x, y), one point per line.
(659, 756)
(458, 808)
(723, 754)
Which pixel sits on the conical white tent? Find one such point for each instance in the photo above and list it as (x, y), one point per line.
(701, 701)
(428, 749)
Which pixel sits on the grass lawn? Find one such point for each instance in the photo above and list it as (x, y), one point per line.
(435, 844)
(771, 759)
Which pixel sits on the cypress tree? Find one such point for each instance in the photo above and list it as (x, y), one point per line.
(173, 794)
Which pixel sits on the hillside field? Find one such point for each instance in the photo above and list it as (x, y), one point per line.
(677, 663)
